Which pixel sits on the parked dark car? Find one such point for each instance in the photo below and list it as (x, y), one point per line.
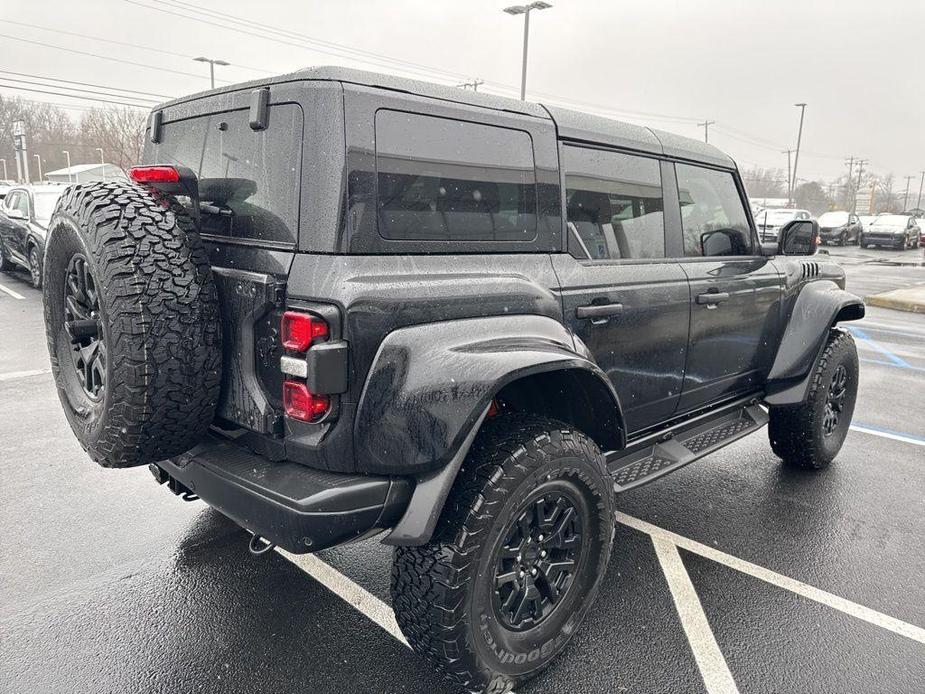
(24, 217)
(899, 231)
(335, 304)
(839, 228)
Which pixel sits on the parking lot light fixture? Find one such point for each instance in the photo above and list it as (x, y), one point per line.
(4, 169)
(68, 155)
(38, 160)
(525, 11)
(212, 63)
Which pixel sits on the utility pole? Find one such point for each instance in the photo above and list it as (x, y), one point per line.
(68, 155)
(6, 177)
(38, 160)
(788, 152)
(706, 129)
(848, 181)
(525, 11)
(906, 194)
(796, 159)
(918, 203)
(212, 63)
(860, 163)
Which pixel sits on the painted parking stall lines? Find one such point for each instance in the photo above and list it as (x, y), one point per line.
(6, 290)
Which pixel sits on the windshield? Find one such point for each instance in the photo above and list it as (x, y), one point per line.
(891, 220)
(45, 203)
(833, 219)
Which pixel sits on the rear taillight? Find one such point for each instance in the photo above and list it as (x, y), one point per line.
(300, 330)
(154, 174)
(299, 403)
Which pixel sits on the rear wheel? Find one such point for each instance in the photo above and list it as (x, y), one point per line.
(517, 559)
(35, 267)
(132, 324)
(811, 434)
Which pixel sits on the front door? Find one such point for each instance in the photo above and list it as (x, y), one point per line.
(735, 293)
(620, 295)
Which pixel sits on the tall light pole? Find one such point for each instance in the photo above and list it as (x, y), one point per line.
(525, 11)
(706, 129)
(918, 203)
(212, 63)
(38, 160)
(5, 177)
(788, 152)
(796, 159)
(102, 161)
(68, 155)
(906, 194)
(857, 188)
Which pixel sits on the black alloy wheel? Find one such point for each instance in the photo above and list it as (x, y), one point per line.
(537, 561)
(82, 324)
(835, 401)
(35, 267)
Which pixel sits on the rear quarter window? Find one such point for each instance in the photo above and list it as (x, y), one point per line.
(251, 178)
(440, 179)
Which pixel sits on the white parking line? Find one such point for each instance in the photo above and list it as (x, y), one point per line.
(879, 619)
(896, 436)
(14, 375)
(713, 668)
(15, 295)
(348, 591)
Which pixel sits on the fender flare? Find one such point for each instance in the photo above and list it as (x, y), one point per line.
(430, 388)
(819, 306)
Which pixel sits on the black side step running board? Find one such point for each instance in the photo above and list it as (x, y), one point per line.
(647, 460)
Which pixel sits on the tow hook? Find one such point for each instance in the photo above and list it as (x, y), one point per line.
(259, 545)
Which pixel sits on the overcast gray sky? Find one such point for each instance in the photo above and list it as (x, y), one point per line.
(860, 65)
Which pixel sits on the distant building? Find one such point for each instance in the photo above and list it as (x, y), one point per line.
(85, 173)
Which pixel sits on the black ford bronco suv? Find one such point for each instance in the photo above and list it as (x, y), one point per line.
(334, 304)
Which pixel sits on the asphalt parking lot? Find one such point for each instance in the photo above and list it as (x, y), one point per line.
(808, 582)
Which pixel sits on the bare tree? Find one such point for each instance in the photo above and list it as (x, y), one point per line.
(119, 132)
(765, 183)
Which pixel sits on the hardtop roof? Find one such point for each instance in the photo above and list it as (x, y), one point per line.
(571, 125)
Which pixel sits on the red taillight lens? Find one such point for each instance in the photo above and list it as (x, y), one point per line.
(303, 405)
(299, 330)
(154, 174)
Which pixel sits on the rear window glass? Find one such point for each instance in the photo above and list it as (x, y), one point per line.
(250, 179)
(614, 203)
(446, 180)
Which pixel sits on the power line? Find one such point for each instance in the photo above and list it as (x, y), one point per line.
(85, 84)
(123, 43)
(102, 57)
(145, 102)
(72, 96)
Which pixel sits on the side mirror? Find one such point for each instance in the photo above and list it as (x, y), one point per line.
(799, 237)
(16, 214)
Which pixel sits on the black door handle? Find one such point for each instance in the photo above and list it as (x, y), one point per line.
(712, 298)
(599, 310)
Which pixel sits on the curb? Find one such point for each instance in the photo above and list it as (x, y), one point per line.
(908, 299)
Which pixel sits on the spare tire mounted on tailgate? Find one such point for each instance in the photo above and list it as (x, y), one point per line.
(132, 322)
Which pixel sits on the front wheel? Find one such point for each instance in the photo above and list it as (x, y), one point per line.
(517, 558)
(811, 434)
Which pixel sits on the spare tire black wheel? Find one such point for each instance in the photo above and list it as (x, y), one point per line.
(132, 322)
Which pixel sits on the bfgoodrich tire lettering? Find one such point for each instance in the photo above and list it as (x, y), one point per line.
(153, 309)
(811, 434)
(444, 593)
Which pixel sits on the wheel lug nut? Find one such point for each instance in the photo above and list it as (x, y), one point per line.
(520, 574)
(540, 538)
(533, 571)
(543, 554)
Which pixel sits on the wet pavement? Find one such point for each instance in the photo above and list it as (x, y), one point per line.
(810, 582)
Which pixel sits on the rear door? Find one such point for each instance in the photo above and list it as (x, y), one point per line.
(735, 292)
(620, 295)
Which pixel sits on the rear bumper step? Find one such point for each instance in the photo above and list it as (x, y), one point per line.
(296, 507)
(685, 445)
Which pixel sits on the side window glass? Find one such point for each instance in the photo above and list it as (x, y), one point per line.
(22, 203)
(614, 203)
(713, 217)
(10, 202)
(441, 179)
